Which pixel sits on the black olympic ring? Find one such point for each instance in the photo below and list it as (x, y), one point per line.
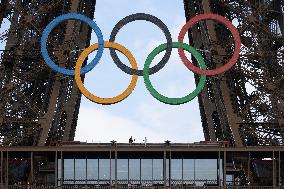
(152, 19)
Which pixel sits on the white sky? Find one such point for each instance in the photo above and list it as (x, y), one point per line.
(140, 114)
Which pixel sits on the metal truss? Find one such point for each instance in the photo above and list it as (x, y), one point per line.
(38, 106)
(245, 105)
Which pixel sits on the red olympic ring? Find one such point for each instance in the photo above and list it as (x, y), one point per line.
(231, 27)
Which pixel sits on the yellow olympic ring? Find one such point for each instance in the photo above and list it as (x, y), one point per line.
(97, 99)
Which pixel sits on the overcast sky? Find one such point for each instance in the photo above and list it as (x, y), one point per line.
(140, 114)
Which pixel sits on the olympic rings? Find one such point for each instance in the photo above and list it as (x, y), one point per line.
(230, 26)
(157, 95)
(94, 98)
(56, 21)
(147, 71)
(154, 20)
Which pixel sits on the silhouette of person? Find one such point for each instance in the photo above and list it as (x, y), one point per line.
(130, 140)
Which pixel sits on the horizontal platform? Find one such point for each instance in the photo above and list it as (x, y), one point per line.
(183, 147)
(179, 165)
(146, 187)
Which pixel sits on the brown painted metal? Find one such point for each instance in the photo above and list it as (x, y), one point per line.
(37, 105)
(40, 107)
(246, 104)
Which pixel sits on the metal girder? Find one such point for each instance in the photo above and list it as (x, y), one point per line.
(37, 105)
(245, 104)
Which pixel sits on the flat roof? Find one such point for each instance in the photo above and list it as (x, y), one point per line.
(183, 147)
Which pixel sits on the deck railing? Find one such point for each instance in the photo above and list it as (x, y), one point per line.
(141, 187)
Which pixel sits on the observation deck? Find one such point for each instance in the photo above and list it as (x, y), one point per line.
(139, 165)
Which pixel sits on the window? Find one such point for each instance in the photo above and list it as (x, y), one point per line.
(176, 169)
(122, 169)
(104, 170)
(68, 170)
(158, 169)
(80, 171)
(134, 169)
(146, 169)
(93, 174)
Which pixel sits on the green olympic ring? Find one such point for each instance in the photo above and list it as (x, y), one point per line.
(155, 93)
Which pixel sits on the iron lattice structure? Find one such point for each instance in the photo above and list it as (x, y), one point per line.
(245, 105)
(38, 106)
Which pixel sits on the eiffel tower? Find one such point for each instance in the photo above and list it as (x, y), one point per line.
(244, 106)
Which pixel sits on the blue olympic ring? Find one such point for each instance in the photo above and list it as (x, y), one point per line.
(56, 21)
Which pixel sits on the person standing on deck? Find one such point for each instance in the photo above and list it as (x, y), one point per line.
(145, 141)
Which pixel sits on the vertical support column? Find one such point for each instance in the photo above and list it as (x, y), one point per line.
(140, 173)
(248, 168)
(62, 169)
(273, 169)
(170, 169)
(110, 167)
(115, 168)
(7, 170)
(128, 170)
(32, 168)
(152, 171)
(98, 170)
(74, 171)
(218, 169)
(194, 171)
(86, 169)
(1, 169)
(56, 169)
(182, 173)
(165, 168)
(279, 169)
(224, 169)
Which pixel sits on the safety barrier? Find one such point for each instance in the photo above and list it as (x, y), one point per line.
(142, 187)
